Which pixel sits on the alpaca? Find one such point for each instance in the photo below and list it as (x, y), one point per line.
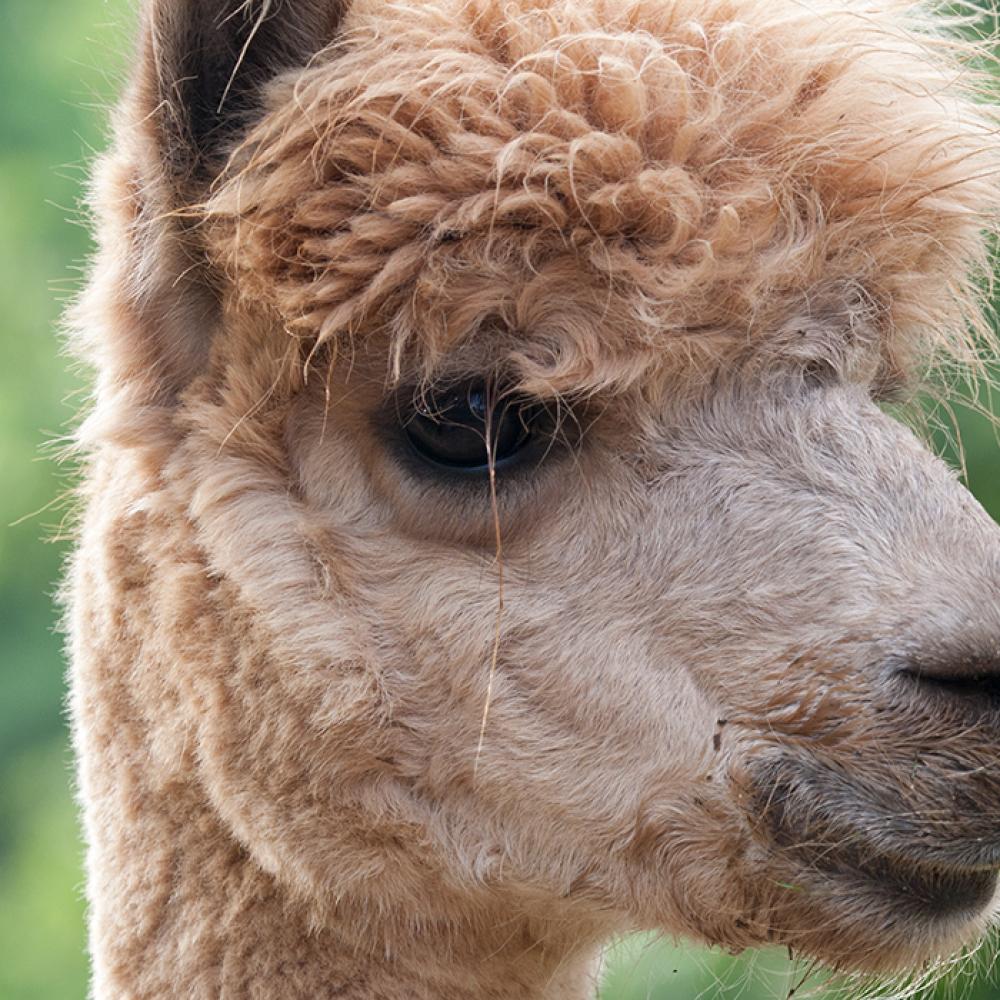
(493, 539)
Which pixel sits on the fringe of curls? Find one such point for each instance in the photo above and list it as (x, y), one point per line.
(695, 171)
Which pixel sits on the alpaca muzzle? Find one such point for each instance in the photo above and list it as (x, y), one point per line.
(924, 840)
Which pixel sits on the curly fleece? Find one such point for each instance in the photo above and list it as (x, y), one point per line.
(695, 169)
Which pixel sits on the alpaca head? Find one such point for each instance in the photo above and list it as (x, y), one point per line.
(517, 369)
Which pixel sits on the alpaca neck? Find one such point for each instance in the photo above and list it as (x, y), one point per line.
(191, 914)
(180, 905)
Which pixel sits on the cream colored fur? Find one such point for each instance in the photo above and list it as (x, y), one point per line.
(332, 742)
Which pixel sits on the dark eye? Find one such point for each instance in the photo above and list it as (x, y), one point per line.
(463, 428)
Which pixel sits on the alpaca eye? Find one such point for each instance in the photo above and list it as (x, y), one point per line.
(451, 428)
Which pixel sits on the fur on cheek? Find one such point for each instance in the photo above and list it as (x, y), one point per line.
(679, 169)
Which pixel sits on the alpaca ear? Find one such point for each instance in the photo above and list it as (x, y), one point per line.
(203, 64)
(196, 88)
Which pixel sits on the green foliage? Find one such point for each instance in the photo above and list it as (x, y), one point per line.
(50, 70)
(42, 941)
(59, 62)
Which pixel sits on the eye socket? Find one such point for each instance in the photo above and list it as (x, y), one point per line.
(450, 428)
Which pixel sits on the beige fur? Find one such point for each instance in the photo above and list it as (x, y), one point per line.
(730, 671)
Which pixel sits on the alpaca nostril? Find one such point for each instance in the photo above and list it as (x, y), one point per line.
(974, 684)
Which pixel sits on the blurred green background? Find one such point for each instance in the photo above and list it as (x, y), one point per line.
(60, 64)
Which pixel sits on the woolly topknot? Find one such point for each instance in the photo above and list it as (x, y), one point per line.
(607, 179)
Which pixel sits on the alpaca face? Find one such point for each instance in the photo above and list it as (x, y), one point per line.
(538, 450)
(740, 680)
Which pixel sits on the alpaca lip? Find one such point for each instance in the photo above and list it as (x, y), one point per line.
(818, 819)
(931, 890)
